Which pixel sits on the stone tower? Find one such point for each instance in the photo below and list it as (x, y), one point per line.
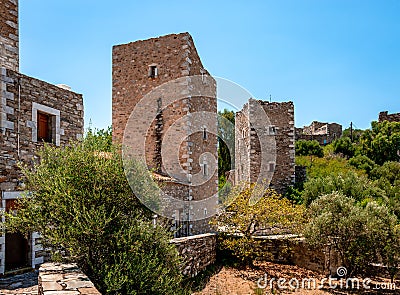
(271, 123)
(146, 66)
(9, 36)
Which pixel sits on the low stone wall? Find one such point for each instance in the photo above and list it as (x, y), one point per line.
(198, 252)
(296, 251)
(63, 279)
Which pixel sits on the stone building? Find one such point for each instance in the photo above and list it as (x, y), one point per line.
(324, 133)
(165, 79)
(31, 112)
(384, 116)
(264, 147)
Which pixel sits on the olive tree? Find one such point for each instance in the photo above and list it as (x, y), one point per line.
(81, 203)
(243, 217)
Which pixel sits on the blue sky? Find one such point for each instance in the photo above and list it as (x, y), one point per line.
(339, 61)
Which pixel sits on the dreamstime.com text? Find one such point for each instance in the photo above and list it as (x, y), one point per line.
(325, 283)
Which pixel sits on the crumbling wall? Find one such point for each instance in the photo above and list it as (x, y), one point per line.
(384, 116)
(9, 36)
(324, 133)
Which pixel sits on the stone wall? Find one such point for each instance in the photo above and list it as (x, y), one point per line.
(9, 36)
(61, 279)
(197, 252)
(322, 132)
(164, 77)
(22, 98)
(295, 251)
(301, 174)
(384, 116)
(264, 145)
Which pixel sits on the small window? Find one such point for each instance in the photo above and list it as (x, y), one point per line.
(153, 71)
(204, 133)
(44, 128)
(272, 130)
(205, 169)
(271, 167)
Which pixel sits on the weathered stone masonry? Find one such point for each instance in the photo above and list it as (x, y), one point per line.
(25, 104)
(323, 132)
(140, 67)
(279, 132)
(22, 98)
(384, 116)
(9, 41)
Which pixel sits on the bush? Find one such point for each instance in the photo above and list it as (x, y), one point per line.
(360, 235)
(344, 146)
(382, 142)
(350, 185)
(250, 210)
(309, 148)
(321, 167)
(82, 205)
(362, 163)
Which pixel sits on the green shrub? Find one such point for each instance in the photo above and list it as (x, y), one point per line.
(82, 205)
(249, 210)
(309, 148)
(344, 146)
(360, 235)
(362, 163)
(349, 184)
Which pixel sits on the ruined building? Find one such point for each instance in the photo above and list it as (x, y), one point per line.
(384, 116)
(324, 133)
(31, 112)
(264, 147)
(165, 78)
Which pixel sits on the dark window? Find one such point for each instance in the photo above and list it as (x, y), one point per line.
(153, 71)
(204, 133)
(205, 172)
(44, 127)
(271, 167)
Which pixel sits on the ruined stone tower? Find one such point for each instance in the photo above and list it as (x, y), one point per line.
(142, 67)
(271, 123)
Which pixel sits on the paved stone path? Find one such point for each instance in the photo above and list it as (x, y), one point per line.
(26, 284)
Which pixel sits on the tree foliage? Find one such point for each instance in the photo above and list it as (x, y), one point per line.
(309, 148)
(344, 146)
(362, 162)
(241, 220)
(226, 123)
(350, 184)
(382, 142)
(330, 165)
(360, 235)
(81, 203)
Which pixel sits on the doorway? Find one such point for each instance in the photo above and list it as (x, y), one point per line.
(16, 246)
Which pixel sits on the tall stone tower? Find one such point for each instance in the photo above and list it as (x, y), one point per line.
(170, 67)
(9, 36)
(264, 145)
